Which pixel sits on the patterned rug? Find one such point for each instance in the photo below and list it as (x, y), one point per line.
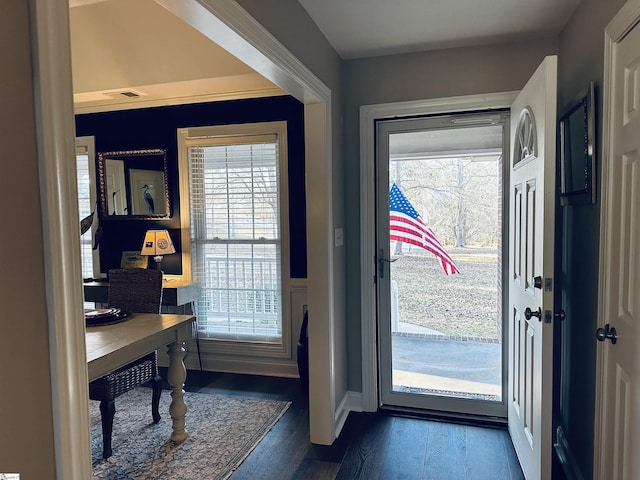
(223, 430)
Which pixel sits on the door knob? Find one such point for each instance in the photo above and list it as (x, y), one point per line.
(607, 332)
(528, 313)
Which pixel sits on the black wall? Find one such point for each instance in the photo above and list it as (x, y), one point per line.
(156, 128)
(581, 60)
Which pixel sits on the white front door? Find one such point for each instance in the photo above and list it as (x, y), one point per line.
(618, 417)
(531, 255)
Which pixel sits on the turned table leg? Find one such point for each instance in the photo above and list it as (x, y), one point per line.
(176, 376)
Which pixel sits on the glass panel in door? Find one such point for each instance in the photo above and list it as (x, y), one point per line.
(441, 333)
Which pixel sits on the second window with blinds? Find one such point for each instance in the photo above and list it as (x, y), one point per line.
(234, 220)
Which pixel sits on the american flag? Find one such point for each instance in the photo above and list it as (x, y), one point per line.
(405, 225)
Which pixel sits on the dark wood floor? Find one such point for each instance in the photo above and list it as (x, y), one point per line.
(371, 446)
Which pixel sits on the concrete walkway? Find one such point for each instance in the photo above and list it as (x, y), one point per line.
(432, 363)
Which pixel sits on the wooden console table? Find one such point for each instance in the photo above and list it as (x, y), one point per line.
(112, 346)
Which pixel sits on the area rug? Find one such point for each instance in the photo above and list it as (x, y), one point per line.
(222, 429)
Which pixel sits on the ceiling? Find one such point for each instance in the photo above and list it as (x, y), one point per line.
(132, 54)
(365, 28)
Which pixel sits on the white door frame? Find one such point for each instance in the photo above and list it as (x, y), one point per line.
(55, 134)
(389, 396)
(625, 19)
(369, 114)
(231, 27)
(235, 30)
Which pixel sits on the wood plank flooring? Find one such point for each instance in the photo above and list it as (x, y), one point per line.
(371, 446)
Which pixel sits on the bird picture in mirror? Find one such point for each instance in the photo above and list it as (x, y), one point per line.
(147, 187)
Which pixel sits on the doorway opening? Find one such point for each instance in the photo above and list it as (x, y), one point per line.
(440, 240)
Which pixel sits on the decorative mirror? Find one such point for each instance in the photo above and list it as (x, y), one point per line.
(577, 146)
(134, 184)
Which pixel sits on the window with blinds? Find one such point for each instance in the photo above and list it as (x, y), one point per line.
(85, 172)
(236, 248)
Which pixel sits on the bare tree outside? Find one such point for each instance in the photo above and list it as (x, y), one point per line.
(459, 198)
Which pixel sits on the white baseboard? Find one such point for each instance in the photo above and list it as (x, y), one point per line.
(351, 402)
(270, 367)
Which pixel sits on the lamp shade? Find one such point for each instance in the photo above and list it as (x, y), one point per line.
(157, 242)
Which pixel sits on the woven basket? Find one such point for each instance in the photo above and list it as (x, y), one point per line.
(135, 290)
(124, 379)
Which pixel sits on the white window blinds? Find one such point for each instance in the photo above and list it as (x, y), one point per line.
(235, 236)
(85, 206)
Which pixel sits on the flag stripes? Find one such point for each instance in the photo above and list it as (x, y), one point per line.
(406, 225)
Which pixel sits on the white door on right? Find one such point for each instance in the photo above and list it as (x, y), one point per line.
(619, 315)
(531, 257)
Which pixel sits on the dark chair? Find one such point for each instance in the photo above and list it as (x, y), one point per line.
(134, 290)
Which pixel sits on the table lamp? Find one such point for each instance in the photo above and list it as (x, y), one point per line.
(157, 243)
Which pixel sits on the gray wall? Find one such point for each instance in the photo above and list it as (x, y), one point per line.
(466, 71)
(26, 423)
(290, 24)
(581, 61)
(416, 76)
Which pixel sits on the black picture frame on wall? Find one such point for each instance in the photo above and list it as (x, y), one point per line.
(577, 151)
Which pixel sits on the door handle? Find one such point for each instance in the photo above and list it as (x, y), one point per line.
(607, 332)
(528, 313)
(382, 261)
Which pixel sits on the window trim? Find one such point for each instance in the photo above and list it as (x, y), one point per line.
(187, 136)
(86, 144)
